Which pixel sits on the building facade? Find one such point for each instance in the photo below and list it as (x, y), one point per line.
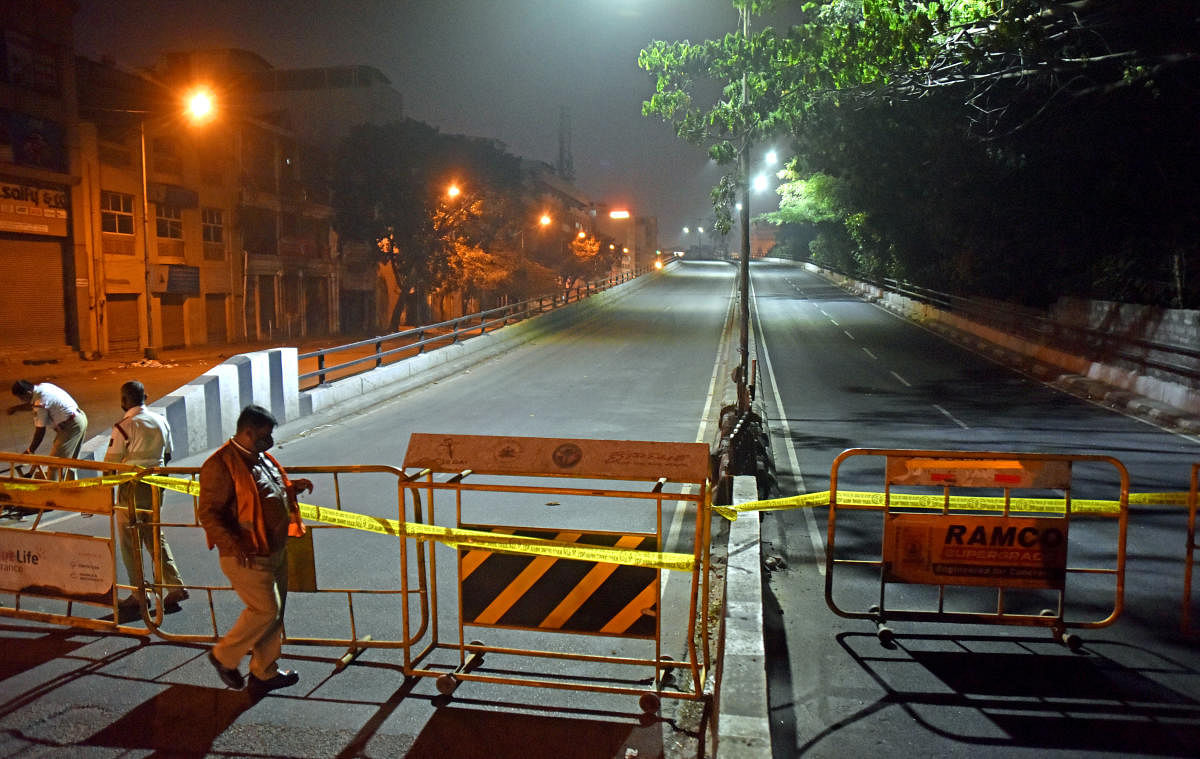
(46, 299)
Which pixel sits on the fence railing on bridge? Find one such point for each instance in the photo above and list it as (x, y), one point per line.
(374, 352)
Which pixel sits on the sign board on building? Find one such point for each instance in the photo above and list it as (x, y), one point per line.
(33, 208)
(176, 279)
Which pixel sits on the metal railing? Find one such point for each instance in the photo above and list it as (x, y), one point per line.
(1171, 362)
(415, 340)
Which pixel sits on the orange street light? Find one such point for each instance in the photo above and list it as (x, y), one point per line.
(620, 214)
(544, 220)
(453, 191)
(200, 105)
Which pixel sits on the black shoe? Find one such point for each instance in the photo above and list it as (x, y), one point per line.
(129, 609)
(229, 675)
(172, 599)
(283, 679)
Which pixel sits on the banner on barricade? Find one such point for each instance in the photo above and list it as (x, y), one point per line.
(936, 549)
(54, 563)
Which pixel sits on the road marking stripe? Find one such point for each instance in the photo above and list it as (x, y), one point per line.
(951, 417)
(814, 532)
(902, 380)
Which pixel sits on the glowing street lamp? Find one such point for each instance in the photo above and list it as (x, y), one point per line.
(453, 191)
(199, 106)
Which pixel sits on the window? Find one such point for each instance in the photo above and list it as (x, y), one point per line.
(116, 213)
(170, 222)
(213, 224)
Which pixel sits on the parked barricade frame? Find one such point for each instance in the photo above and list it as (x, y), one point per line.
(466, 464)
(1193, 503)
(922, 516)
(24, 515)
(185, 480)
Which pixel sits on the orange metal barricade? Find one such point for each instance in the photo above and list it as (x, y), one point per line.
(383, 497)
(1190, 556)
(952, 543)
(583, 604)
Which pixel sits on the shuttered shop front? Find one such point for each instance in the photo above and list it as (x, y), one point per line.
(32, 310)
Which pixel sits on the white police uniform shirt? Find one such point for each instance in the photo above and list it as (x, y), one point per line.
(142, 437)
(52, 406)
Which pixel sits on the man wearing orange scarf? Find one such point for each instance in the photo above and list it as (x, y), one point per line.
(248, 508)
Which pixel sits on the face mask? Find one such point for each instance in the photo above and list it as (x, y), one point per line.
(263, 442)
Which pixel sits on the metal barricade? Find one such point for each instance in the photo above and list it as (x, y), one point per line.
(381, 501)
(554, 608)
(48, 573)
(1190, 556)
(951, 542)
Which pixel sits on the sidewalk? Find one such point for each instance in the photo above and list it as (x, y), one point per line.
(96, 384)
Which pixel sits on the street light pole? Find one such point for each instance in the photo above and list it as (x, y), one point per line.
(150, 351)
(743, 378)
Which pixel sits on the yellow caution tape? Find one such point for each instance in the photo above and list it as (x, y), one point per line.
(959, 502)
(455, 537)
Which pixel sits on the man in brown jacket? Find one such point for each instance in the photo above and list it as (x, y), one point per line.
(248, 508)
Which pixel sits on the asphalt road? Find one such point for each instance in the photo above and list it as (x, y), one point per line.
(835, 373)
(641, 369)
(841, 373)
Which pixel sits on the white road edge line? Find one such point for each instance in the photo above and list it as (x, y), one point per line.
(701, 435)
(951, 417)
(903, 381)
(869, 353)
(814, 532)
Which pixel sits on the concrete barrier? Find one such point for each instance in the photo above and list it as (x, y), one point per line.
(743, 727)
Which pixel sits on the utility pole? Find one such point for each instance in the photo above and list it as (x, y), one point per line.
(743, 172)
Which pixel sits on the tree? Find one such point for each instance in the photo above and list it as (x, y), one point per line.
(1021, 148)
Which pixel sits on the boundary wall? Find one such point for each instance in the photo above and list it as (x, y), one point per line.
(203, 412)
(1166, 402)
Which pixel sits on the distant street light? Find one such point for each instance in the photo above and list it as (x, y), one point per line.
(453, 191)
(545, 220)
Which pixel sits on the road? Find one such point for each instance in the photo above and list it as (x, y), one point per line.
(835, 372)
(642, 369)
(852, 375)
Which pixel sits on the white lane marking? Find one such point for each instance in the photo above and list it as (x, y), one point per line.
(847, 334)
(710, 401)
(793, 460)
(834, 321)
(951, 417)
(869, 353)
(902, 380)
(56, 520)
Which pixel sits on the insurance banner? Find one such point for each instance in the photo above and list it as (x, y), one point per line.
(56, 564)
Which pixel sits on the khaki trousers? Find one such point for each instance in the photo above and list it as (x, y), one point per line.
(134, 536)
(68, 439)
(262, 586)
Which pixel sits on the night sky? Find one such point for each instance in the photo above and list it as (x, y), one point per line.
(490, 68)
